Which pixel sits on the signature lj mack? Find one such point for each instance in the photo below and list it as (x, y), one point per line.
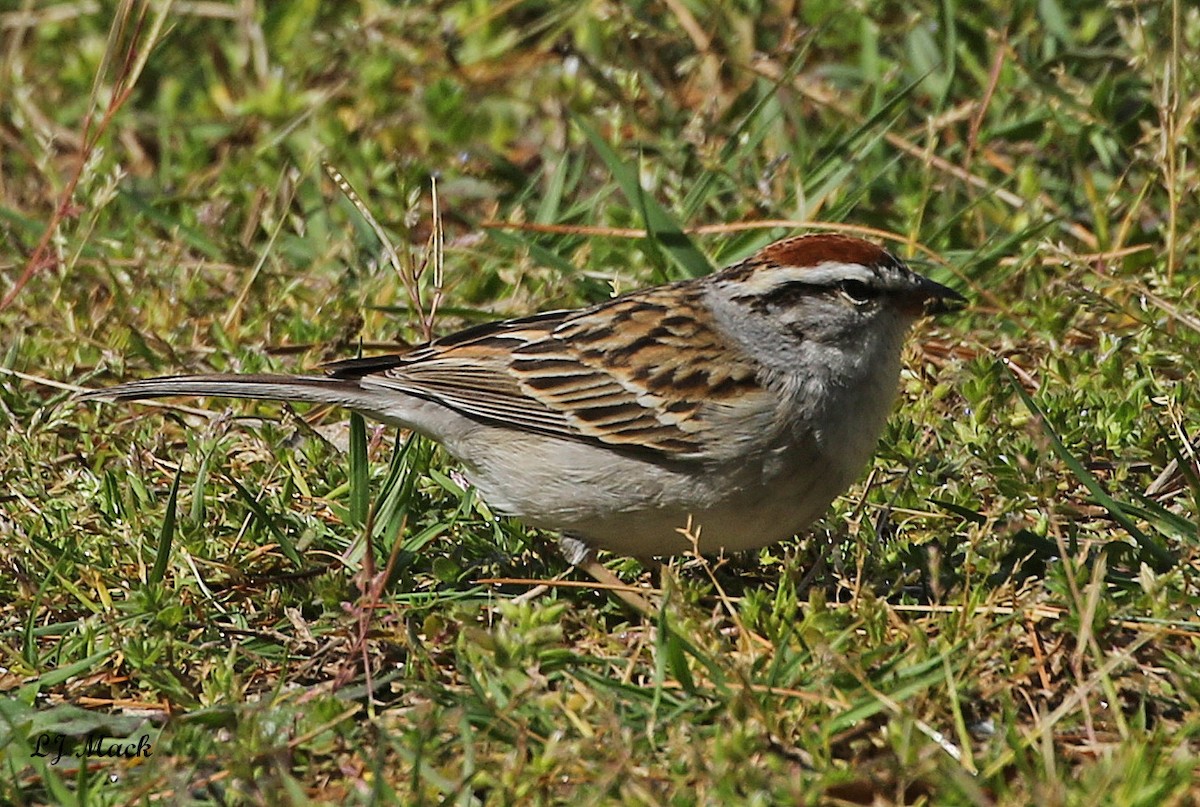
(60, 745)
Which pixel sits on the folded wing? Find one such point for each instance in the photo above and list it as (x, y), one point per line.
(639, 371)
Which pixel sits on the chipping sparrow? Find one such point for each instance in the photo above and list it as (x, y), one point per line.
(746, 400)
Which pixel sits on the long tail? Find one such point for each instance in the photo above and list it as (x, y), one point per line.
(304, 389)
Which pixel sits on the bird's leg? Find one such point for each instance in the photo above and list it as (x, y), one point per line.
(580, 555)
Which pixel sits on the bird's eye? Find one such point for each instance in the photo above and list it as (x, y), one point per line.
(858, 292)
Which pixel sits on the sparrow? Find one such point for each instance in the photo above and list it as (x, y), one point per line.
(733, 407)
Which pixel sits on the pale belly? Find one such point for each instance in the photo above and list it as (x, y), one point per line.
(635, 507)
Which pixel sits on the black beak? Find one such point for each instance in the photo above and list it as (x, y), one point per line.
(931, 299)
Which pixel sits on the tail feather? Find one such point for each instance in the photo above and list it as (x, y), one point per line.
(302, 389)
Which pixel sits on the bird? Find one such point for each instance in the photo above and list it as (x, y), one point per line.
(722, 413)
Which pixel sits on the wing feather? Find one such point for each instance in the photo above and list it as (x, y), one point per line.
(646, 371)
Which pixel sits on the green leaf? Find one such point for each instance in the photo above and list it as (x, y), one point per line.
(1055, 20)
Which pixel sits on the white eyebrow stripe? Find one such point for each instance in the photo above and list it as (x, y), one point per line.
(826, 273)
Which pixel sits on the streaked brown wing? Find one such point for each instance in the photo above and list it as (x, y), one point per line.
(640, 371)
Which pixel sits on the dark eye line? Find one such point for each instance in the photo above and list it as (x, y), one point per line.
(789, 293)
(859, 292)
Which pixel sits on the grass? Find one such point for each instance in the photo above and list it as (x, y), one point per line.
(286, 609)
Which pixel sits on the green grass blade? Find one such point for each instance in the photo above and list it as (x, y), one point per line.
(539, 253)
(671, 646)
(1154, 513)
(260, 512)
(1160, 556)
(29, 645)
(1186, 469)
(194, 237)
(166, 536)
(661, 227)
(360, 485)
